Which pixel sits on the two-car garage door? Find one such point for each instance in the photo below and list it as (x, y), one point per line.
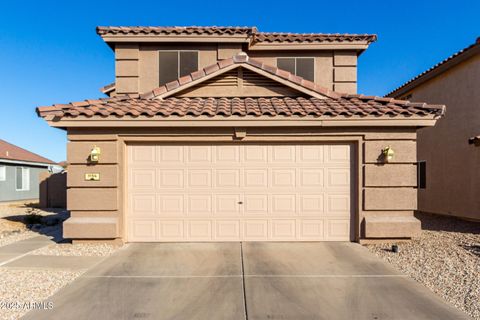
(239, 192)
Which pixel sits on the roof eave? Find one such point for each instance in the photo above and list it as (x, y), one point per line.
(435, 71)
(248, 121)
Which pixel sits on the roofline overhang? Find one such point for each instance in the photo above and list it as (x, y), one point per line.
(30, 163)
(354, 45)
(430, 74)
(248, 121)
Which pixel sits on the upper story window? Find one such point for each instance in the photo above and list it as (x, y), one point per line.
(3, 173)
(22, 179)
(302, 67)
(176, 64)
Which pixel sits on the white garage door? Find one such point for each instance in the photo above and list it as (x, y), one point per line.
(232, 192)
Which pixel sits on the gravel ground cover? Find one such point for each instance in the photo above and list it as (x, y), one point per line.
(445, 258)
(20, 287)
(86, 250)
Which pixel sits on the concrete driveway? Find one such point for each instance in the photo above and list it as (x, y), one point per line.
(245, 281)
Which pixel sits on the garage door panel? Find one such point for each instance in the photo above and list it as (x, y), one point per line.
(338, 177)
(226, 230)
(283, 229)
(171, 230)
(255, 178)
(199, 230)
(281, 153)
(142, 178)
(338, 229)
(199, 178)
(142, 205)
(171, 178)
(232, 192)
(199, 205)
(311, 177)
(227, 205)
(142, 155)
(143, 230)
(171, 205)
(255, 204)
(227, 154)
(311, 204)
(225, 178)
(170, 154)
(312, 229)
(282, 178)
(199, 154)
(337, 154)
(255, 230)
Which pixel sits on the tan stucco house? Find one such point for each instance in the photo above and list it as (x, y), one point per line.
(232, 134)
(449, 153)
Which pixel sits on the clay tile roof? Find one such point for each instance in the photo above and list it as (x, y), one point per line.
(189, 30)
(452, 60)
(250, 106)
(251, 32)
(108, 88)
(311, 37)
(158, 103)
(9, 151)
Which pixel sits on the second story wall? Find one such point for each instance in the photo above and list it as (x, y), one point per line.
(138, 68)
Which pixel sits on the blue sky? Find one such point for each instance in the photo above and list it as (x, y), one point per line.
(50, 53)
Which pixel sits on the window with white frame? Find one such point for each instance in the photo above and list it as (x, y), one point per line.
(22, 179)
(3, 173)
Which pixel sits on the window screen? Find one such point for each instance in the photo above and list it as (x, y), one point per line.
(305, 68)
(22, 179)
(176, 64)
(287, 64)
(188, 62)
(168, 66)
(302, 67)
(3, 173)
(422, 174)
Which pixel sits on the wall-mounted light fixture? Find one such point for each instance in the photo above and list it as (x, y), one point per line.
(475, 141)
(388, 154)
(95, 154)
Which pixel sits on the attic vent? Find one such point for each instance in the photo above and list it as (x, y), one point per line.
(229, 78)
(251, 79)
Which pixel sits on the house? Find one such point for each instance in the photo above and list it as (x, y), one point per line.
(449, 153)
(19, 172)
(229, 133)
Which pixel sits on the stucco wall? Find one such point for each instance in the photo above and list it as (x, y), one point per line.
(453, 166)
(137, 65)
(8, 190)
(379, 190)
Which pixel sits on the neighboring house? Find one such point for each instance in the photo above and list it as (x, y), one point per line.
(449, 153)
(228, 134)
(19, 172)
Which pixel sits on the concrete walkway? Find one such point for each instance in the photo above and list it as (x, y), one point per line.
(245, 281)
(16, 250)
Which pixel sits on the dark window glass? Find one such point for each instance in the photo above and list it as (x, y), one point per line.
(287, 64)
(168, 66)
(188, 62)
(305, 68)
(19, 179)
(422, 174)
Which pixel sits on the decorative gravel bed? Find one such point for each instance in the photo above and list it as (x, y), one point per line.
(83, 249)
(21, 287)
(445, 258)
(14, 236)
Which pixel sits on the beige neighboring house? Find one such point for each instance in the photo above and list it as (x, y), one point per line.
(449, 153)
(232, 134)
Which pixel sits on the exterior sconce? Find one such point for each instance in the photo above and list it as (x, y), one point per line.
(388, 154)
(95, 154)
